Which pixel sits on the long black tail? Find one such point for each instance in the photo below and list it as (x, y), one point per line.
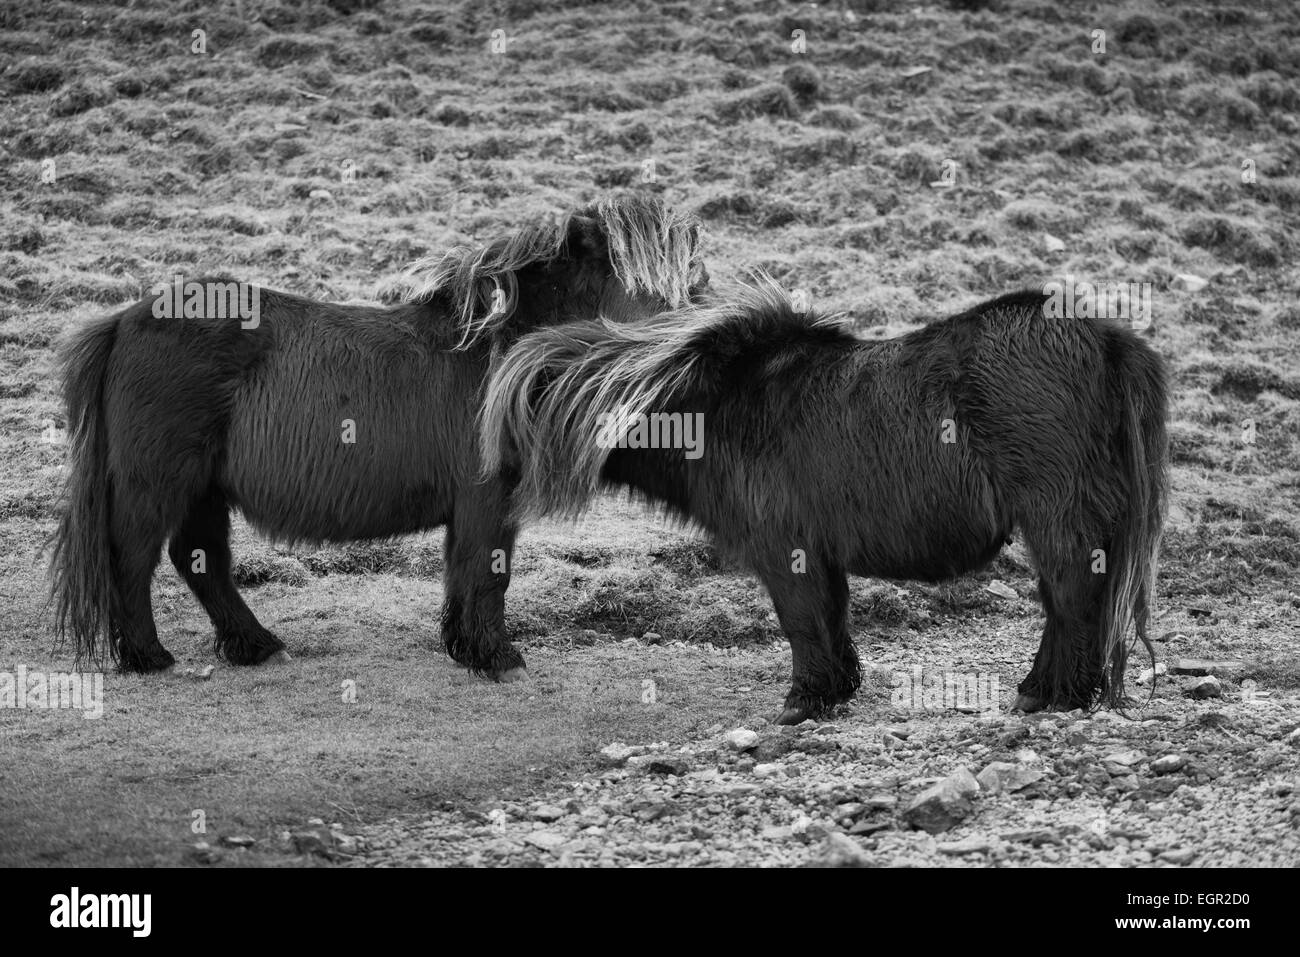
(1135, 547)
(81, 561)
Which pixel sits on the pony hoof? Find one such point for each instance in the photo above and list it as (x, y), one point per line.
(791, 716)
(281, 657)
(1028, 703)
(513, 675)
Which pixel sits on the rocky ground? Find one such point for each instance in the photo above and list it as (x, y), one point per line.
(1182, 781)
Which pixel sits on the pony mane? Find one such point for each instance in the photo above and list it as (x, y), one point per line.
(652, 250)
(554, 390)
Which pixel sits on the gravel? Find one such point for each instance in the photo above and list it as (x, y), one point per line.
(1184, 783)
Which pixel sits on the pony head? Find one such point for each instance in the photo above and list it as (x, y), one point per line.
(624, 258)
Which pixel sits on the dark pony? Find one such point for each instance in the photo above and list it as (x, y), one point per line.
(911, 458)
(320, 421)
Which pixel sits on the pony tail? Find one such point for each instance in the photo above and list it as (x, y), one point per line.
(81, 561)
(1135, 548)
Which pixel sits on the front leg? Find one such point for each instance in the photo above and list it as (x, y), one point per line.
(479, 547)
(812, 605)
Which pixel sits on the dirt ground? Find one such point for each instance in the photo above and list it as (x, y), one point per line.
(895, 161)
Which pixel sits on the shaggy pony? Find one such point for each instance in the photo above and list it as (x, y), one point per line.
(324, 422)
(824, 455)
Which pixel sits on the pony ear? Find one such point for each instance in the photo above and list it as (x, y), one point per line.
(586, 239)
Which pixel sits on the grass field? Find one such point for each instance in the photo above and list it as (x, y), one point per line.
(319, 146)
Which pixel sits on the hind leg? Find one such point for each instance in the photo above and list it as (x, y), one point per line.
(813, 609)
(200, 551)
(1067, 670)
(479, 545)
(136, 546)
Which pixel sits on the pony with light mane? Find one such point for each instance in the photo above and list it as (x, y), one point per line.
(911, 458)
(326, 422)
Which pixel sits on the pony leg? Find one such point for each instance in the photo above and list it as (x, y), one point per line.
(136, 545)
(1067, 669)
(200, 552)
(479, 546)
(813, 609)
